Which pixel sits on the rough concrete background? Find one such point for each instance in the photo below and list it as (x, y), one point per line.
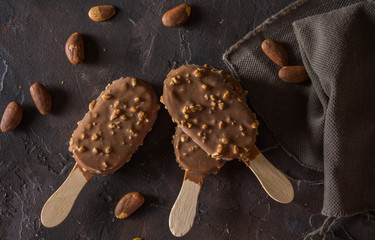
(34, 159)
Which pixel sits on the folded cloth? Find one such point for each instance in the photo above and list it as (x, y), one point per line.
(327, 124)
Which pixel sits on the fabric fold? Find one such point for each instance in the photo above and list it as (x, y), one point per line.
(326, 124)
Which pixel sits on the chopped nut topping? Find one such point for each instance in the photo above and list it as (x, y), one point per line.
(108, 150)
(221, 106)
(71, 141)
(105, 164)
(117, 111)
(225, 140)
(83, 135)
(184, 138)
(175, 80)
(96, 115)
(219, 148)
(191, 108)
(221, 72)
(253, 125)
(141, 115)
(130, 137)
(111, 126)
(113, 116)
(204, 86)
(236, 150)
(79, 123)
(184, 154)
(186, 116)
(133, 132)
(123, 117)
(200, 133)
(137, 99)
(213, 98)
(206, 96)
(94, 123)
(92, 105)
(94, 137)
(204, 126)
(134, 82)
(95, 151)
(198, 73)
(81, 149)
(213, 104)
(221, 124)
(106, 96)
(112, 132)
(226, 95)
(133, 109)
(189, 125)
(116, 104)
(183, 123)
(241, 128)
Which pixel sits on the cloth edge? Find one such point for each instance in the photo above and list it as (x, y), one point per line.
(260, 27)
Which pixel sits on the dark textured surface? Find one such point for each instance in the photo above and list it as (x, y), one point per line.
(34, 159)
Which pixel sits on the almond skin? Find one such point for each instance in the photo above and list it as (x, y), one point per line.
(101, 13)
(275, 51)
(177, 16)
(128, 204)
(12, 116)
(293, 74)
(74, 48)
(41, 97)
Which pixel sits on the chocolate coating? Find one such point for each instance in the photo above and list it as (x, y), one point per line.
(191, 157)
(210, 107)
(115, 126)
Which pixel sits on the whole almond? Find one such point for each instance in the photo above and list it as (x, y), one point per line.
(275, 51)
(128, 204)
(101, 13)
(74, 48)
(41, 97)
(12, 116)
(293, 74)
(177, 16)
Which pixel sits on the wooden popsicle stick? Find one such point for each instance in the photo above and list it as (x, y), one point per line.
(58, 206)
(183, 212)
(273, 181)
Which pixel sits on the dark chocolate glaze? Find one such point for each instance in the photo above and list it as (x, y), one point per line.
(209, 106)
(115, 126)
(191, 157)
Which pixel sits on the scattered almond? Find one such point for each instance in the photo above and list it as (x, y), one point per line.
(74, 48)
(128, 204)
(177, 16)
(41, 97)
(293, 74)
(12, 116)
(101, 13)
(275, 51)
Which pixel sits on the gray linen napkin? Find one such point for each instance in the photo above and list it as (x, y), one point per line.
(328, 123)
